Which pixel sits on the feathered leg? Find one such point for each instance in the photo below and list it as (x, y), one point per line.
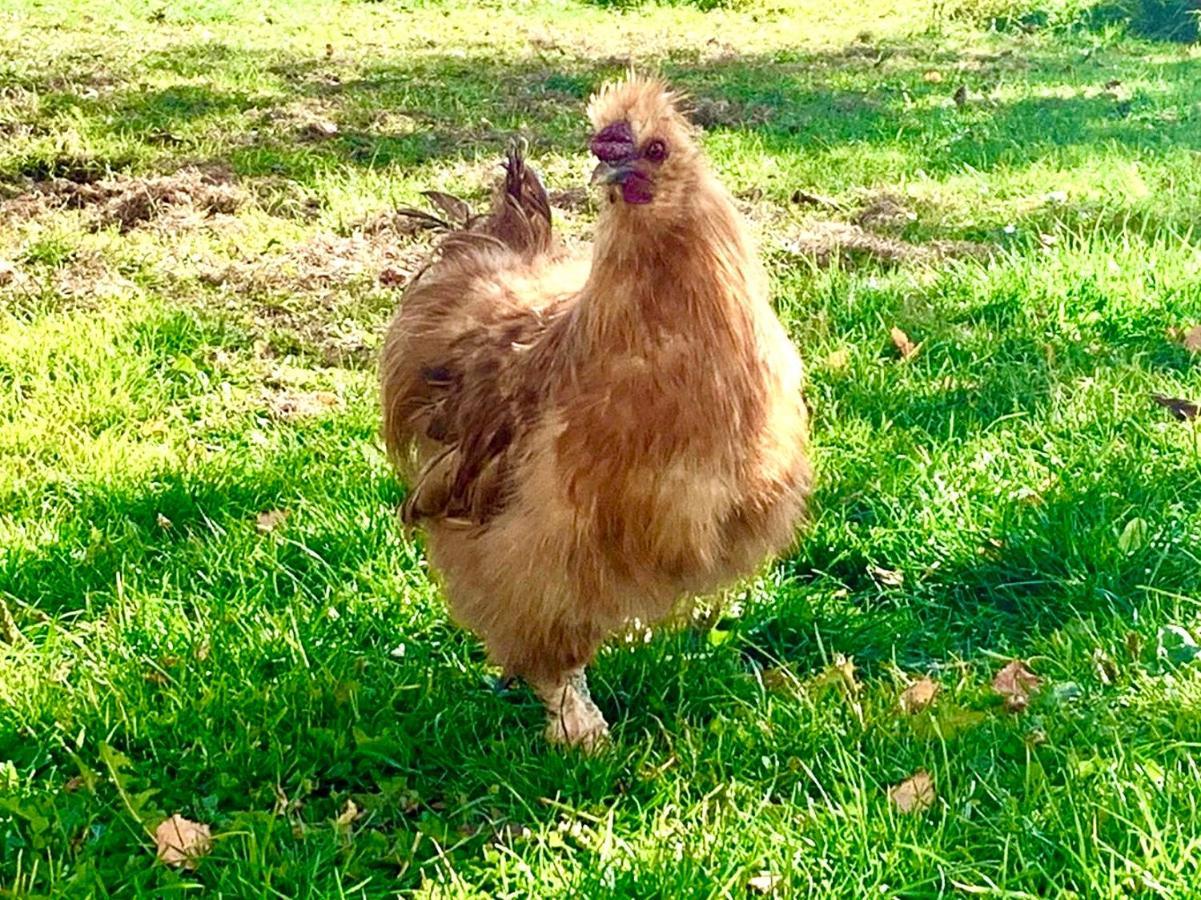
(572, 718)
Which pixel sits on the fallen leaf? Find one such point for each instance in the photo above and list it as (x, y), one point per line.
(163, 522)
(329, 50)
(74, 783)
(932, 77)
(181, 842)
(7, 272)
(348, 815)
(1184, 410)
(913, 795)
(918, 696)
(1016, 683)
(886, 577)
(904, 345)
(1192, 339)
(960, 96)
(270, 520)
(763, 883)
(1112, 83)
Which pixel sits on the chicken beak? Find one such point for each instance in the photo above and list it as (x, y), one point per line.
(607, 173)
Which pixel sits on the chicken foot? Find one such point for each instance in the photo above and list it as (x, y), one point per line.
(572, 718)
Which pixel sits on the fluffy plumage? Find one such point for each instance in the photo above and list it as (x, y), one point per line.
(591, 438)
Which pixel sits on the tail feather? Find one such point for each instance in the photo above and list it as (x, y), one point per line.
(520, 216)
(519, 219)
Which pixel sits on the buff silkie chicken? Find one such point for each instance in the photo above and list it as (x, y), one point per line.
(588, 439)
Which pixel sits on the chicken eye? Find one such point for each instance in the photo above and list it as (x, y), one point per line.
(656, 151)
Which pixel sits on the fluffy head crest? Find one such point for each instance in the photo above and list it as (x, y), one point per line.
(647, 105)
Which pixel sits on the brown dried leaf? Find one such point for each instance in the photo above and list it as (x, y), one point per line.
(918, 696)
(764, 883)
(914, 795)
(163, 522)
(904, 345)
(348, 815)
(932, 77)
(1192, 339)
(1015, 682)
(181, 842)
(7, 272)
(1184, 410)
(270, 520)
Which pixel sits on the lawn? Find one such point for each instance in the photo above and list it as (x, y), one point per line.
(208, 608)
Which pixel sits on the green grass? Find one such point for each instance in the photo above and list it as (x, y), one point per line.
(161, 653)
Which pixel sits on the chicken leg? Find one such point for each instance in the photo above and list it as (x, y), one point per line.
(572, 718)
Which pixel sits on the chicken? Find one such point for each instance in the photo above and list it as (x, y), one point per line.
(590, 438)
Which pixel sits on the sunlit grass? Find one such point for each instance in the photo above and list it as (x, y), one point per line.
(167, 379)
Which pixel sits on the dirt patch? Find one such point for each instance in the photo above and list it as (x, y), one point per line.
(310, 119)
(826, 242)
(325, 261)
(885, 212)
(128, 202)
(86, 282)
(328, 294)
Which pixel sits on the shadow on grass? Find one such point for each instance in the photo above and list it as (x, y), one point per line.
(434, 107)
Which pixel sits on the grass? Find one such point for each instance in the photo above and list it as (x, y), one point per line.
(172, 369)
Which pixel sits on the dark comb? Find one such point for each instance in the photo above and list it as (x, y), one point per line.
(613, 143)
